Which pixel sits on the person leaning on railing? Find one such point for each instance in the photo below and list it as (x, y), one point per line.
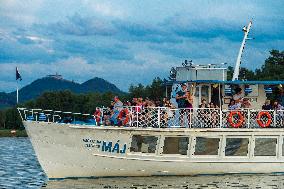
(203, 113)
(182, 102)
(169, 113)
(214, 119)
(107, 113)
(267, 105)
(232, 105)
(279, 112)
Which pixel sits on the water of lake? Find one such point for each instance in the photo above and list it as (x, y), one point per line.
(19, 168)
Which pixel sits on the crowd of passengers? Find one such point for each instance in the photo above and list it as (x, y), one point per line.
(239, 102)
(118, 114)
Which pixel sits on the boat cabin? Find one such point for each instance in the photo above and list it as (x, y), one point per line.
(209, 82)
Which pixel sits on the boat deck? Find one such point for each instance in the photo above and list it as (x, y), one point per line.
(166, 118)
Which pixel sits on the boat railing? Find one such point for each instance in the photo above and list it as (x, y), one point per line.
(163, 117)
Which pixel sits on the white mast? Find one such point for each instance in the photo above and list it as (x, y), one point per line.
(17, 93)
(238, 62)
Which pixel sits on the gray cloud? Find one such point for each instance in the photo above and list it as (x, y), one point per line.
(133, 49)
(83, 26)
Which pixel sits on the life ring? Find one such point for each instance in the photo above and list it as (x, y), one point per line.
(124, 114)
(97, 116)
(260, 122)
(240, 121)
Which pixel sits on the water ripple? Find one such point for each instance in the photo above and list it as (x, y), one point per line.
(19, 167)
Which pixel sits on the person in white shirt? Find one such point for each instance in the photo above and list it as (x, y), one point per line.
(238, 97)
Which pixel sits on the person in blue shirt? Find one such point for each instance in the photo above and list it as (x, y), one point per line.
(182, 101)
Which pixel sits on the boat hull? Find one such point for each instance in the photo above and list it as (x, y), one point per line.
(66, 150)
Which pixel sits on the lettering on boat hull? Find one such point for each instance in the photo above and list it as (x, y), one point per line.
(105, 146)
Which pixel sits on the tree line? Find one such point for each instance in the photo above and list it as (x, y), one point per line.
(84, 103)
(272, 69)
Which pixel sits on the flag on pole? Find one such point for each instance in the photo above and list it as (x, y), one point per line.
(18, 75)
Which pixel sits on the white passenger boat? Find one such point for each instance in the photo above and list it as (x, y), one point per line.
(167, 141)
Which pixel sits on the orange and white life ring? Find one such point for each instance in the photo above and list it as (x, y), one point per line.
(124, 113)
(260, 122)
(240, 121)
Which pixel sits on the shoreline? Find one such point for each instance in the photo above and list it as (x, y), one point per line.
(7, 133)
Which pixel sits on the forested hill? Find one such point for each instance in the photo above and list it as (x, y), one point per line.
(39, 86)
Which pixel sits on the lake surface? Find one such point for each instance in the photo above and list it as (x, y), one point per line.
(19, 168)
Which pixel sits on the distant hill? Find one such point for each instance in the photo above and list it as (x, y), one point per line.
(99, 85)
(37, 87)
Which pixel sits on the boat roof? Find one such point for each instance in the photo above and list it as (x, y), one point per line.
(236, 82)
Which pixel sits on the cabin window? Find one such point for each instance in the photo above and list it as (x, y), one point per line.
(175, 145)
(236, 147)
(143, 144)
(206, 146)
(283, 148)
(265, 147)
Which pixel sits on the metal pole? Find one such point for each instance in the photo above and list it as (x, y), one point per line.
(238, 62)
(17, 93)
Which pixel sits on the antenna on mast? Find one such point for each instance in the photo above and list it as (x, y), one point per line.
(246, 30)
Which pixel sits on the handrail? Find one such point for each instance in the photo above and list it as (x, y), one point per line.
(165, 117)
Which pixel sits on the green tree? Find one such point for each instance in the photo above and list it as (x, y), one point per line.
(156, 90)
(245, 74)
(2, 119)
(273, 67)
(230, 73)
(13, 120)
(137, 91)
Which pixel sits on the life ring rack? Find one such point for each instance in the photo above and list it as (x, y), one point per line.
(260, 122)
(240, 121)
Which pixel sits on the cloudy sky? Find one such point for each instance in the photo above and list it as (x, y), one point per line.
(130, 41)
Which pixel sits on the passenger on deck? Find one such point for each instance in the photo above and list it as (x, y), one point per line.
(117, 107)
(214, 118)
(212, 105)
(169, 113)
(134, 101)
(117, 103)
(277, 106)
(107, 116)
(246, 103)
(97, 116)
(139, 104)
(181, 96)
(267, 105)
(233, 105)
(128, 103)
(203, 113)
(182, 101)
(238, 96)
(279, 112)
(123, 117)
(203, 104)
(167, 103)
